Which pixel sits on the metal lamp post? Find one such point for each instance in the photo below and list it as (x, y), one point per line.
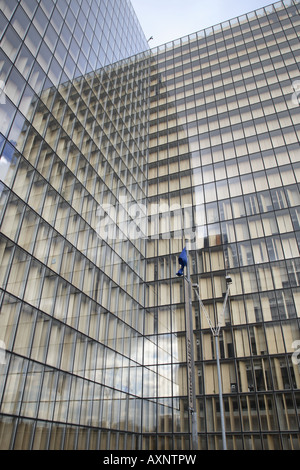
(183, 261)
(216, 332)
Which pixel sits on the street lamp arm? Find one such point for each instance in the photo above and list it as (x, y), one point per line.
(196, 289)
(221, 317)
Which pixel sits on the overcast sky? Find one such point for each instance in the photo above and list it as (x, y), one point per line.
(167, 20)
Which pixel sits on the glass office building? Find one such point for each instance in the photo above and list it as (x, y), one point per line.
(113, 158)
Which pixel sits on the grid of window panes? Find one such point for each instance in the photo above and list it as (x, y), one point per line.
(67, 38)
(71, 303)
(224, 160)
(96, 356)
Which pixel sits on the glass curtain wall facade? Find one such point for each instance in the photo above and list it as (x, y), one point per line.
(106, 170)
(71, 303)
(224, 169)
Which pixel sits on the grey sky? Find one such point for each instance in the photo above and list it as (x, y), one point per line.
(167, 20)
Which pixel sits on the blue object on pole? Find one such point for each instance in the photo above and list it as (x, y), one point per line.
(182, 261)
